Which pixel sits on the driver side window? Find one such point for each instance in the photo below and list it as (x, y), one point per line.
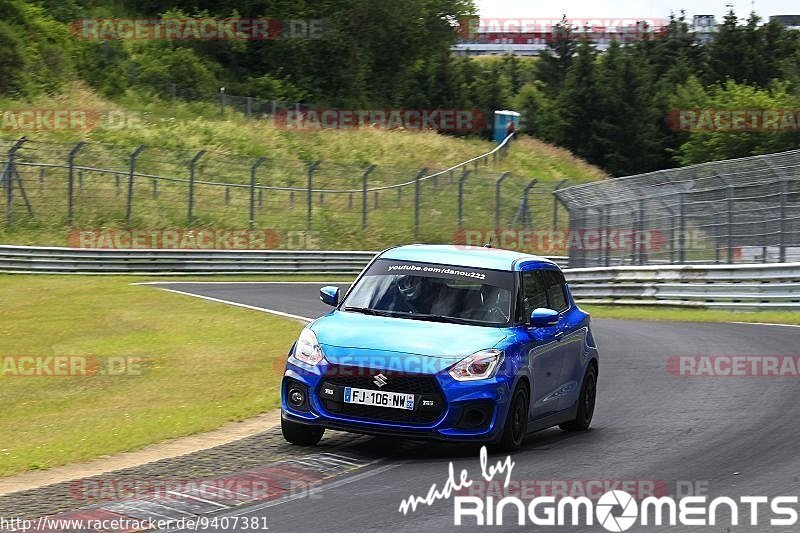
(534, 293)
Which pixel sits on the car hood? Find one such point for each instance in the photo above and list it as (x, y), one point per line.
(358, 333)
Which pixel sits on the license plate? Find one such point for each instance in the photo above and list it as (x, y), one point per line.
(395, 400)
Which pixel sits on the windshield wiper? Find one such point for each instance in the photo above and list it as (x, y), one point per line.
(438, 318)
(366, 311)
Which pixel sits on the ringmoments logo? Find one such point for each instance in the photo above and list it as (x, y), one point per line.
(615, 510)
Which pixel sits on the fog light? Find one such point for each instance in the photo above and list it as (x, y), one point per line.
(296, 397)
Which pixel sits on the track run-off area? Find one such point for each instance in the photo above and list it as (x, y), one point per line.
(653, 431)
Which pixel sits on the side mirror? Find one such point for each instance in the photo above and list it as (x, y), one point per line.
(329, 295)
(541, 317)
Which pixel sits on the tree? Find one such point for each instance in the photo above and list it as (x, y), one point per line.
(578, 104)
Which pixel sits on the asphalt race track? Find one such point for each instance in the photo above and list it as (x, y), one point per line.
(726, 436)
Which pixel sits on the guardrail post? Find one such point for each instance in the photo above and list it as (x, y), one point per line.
(131, 172)
(192, 165)
(461, 181)
(730, 224)
(364, 192)
(309, 194)
(253, 170)
(555, 203)
(71, 183)
(497, 186)
(782, 243)
(417, 185)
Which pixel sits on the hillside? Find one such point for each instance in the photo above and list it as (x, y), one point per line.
(173, 132)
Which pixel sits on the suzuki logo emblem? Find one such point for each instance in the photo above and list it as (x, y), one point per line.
(380, 380)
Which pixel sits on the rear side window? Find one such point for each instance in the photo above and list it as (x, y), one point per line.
(534, 293)
(556, 290)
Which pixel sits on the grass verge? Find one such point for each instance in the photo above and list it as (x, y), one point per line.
(204, 365)
(682, 314)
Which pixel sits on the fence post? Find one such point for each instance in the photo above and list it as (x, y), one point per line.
(309, 196)
(253, 170)
(606, 226)
(461, 181)
(364, 193)
(555, 203)
(71, 183)
(497, 186)
(730, 224)
(249, 109)
(782, 243)
(131, 172)
(526, 214)
(7, 178)
(640, 255)
(417, 184)
(682, 229)
(192, 164)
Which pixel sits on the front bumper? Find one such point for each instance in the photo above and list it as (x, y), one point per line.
(461, 411)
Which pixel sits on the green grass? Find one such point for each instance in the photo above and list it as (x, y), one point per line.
(174, 132)
(205, 364)
(682, 314)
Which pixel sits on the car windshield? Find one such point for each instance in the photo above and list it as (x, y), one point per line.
(434, 292)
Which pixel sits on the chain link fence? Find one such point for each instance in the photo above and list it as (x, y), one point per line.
(735, 211)
(51, 186)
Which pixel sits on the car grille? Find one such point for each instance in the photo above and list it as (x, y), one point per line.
(420, 385)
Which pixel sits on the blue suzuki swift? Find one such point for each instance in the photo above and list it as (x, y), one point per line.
(444, 342)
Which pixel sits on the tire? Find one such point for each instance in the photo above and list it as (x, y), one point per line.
(301, 434)
(586, 403)
(516, 422)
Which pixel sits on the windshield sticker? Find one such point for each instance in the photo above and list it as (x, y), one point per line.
(497, 278)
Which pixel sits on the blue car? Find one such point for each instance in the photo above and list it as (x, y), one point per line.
(444, 342)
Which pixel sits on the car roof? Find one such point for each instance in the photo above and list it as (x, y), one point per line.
(466, 256)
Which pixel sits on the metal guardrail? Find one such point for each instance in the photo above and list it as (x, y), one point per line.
(740, 287)
(53, 260)
(56, 260)
(757, 286)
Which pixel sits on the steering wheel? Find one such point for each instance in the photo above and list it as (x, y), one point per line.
(495, 312)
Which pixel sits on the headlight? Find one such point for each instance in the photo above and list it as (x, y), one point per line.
(307, 349)
(480, 365)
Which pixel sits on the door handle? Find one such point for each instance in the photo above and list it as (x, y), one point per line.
(558, 335)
